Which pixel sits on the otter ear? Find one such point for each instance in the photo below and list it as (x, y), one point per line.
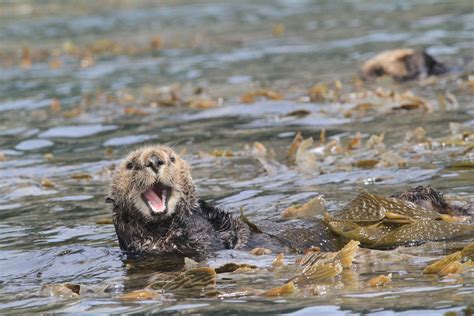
(110, 200)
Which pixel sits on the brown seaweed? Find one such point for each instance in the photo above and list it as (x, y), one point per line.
(313, 207)
(198, 279)
(387, 235)
(285, 289)
(380, 280)
(368, 207)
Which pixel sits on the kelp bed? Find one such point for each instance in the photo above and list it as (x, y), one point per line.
(267, 106)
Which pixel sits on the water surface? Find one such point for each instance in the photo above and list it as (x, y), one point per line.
(99, 62)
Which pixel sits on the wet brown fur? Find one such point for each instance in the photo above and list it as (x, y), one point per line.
(430, 199)
(189, 227)
(402, 64)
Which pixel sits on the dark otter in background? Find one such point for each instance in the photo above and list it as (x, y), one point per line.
(430, 199)
(402, 64)
(157, 210)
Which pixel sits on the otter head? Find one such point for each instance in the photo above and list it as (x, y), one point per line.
(154, 182)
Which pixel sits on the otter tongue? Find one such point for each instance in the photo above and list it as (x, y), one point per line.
(156, 202)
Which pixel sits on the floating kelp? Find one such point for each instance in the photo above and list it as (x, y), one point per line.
(104, 221)
(231, 267)
(81, 176)
(381, 222)
(368, 207)
(382, 235)
(345, 256)
(346, 152)
(278, 261)
(200, 103)
(325, 268)
(319, 92)
(322, 266)
(380, 280)
(455, 267)
(306, 159)
(391, 158)
(416, 135)
(347, 253)
(355, 142)
(260, 151)
(366, 163)
(253, 227)
(55, 105)
(367, 235)
(375, 142)
(297, 113)
(47, 183)
(313, 207)
(454, 219)
(288, 288)
(197, 279)
(360, 110)
(411, 102)
(278, 30)
(46, 157)
(291, 155)
(422, 231)
(322, 271)
(222, 153)
(63, 291)
(260, 251)
(266, 158)
(445, 264)
(468, 251)
(249, 97)
(134, 111)
(447, 100)
(461, 165)
(465, 151)
(317, 257)
(140, 295)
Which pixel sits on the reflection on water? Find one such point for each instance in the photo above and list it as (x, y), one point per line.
(82, 85)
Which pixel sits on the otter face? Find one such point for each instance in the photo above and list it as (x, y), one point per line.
(154, 181)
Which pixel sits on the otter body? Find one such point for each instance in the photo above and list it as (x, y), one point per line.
(190, 236)
(402, 65)
(211, 229)
(156, 210)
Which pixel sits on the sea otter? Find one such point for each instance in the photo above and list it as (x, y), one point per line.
(402, 65)
(156, 210)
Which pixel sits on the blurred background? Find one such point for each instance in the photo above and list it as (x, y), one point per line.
(83, 46)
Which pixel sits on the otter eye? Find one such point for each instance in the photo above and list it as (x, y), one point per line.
(172, 159)
(129, 166)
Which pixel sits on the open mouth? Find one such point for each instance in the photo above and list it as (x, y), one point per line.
(156, 197)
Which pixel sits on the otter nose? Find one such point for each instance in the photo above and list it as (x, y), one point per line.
(154, 162)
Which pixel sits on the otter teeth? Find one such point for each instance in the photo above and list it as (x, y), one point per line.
(156, 203)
